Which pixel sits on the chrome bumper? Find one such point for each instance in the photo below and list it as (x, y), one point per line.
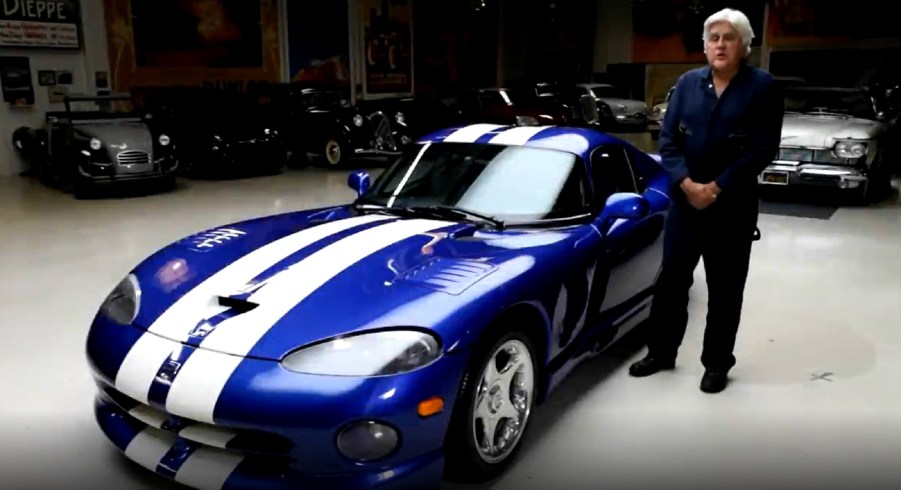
(786, 173)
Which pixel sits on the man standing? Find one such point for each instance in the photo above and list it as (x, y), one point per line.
(722, 128)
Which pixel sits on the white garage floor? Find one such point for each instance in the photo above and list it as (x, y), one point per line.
(815, 397)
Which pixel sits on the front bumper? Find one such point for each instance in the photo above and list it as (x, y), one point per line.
(200, 459)
(112, 173)
(794, 174)
(274, 428)
(636, 119)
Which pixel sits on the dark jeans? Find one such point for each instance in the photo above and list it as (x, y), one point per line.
(722, 236)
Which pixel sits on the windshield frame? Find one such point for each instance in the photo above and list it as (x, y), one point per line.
(378, 193)
(612, 92)
(822, 94)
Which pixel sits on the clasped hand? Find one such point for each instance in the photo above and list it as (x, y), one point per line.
(700, 195)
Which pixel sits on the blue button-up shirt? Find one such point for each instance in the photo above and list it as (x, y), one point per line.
(729, 139)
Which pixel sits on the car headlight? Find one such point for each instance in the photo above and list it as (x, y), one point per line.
(96, 144)
(358, 120)
(124, 302)
(381, 353)
(850, 149)
(164, 140)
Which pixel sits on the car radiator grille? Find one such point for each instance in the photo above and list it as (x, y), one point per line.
(132, 157)
(238, 440)
(808, 155)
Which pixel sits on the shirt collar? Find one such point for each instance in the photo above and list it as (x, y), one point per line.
(707, 72)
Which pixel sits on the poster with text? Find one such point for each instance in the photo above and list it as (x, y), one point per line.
(40, 24)
(387, 48)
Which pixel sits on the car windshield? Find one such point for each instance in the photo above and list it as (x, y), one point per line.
(322, 99)
(607, 92)
(844, 102)
(118, 107)
(508, 183)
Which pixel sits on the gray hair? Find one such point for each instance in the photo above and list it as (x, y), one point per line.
(738, 20)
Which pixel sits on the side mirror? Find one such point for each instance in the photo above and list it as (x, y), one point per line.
(623, 205)
(358, 181)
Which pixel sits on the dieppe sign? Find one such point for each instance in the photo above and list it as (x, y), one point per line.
(40, 23)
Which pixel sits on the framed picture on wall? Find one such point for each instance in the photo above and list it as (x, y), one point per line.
(46, 78)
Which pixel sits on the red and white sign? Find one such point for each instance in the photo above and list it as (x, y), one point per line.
(38, 34)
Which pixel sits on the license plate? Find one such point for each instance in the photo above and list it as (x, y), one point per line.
(775, 177)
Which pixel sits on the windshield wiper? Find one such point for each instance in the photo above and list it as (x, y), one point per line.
(442, 211)
(438, 211)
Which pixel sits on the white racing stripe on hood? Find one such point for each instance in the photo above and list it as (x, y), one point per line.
(471, 133)
(517, 136)
(200, 381)
(139, 368)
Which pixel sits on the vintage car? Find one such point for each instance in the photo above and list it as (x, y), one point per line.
(322, 125)
(627, 113)
(392, 340)
(834, 138)
(220, 135)
(525, 106)
(658, 112)
(99, 140)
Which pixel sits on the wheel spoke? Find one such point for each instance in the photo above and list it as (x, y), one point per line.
(489, 434)
(508, 411)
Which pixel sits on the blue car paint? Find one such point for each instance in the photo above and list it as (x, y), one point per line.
(454, 280)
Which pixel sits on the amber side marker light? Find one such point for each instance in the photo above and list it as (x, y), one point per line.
(430, 407)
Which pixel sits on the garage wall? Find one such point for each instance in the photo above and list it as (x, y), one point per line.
(82, 63)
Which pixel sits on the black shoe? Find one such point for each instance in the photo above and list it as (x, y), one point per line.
(650, 365)
(713, 381)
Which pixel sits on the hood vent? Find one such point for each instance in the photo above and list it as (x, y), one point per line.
(451, 276)
(239, 305)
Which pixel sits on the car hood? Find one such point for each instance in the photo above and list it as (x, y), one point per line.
(119, 135)
(625, 106)
(264, 288)
(822, 131)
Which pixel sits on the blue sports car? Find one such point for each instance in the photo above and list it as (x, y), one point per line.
(392, 342)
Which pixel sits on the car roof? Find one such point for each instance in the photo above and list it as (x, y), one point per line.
(576, 140)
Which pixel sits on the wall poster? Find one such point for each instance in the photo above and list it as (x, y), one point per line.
(227, 44)
(40, 24)
(387, 46)
(318, 48)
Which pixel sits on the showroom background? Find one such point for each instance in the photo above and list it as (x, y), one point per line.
(642, 45)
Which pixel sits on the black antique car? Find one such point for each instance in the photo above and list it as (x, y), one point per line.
(528, 104)
(98, 140)
(322, 124)
(220, 134)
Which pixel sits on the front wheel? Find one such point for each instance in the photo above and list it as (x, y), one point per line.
(493, 411)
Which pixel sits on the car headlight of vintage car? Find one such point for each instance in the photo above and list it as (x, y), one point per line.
(358, 120)
(164, 140)
(95, 144)
(379, 353)
(850, 149)
(124, 302)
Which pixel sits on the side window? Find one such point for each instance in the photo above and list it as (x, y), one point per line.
(611, 173)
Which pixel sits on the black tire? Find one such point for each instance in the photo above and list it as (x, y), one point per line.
(463, 462)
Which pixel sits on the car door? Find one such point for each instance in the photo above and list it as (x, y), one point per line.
(631, 249)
